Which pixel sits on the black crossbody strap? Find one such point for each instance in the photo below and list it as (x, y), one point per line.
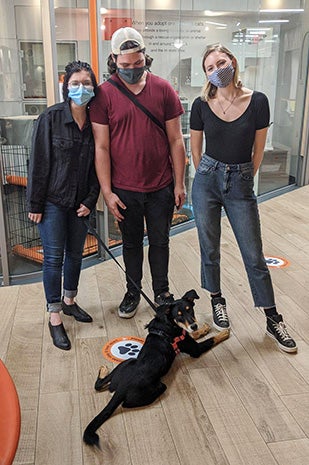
(137, 103)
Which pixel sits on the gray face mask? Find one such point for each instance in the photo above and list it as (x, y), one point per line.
(222, 77)
(131, 75)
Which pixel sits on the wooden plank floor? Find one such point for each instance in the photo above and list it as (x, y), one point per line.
(245, 402)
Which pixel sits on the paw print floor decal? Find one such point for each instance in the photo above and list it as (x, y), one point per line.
(122, 348)
(276, 262)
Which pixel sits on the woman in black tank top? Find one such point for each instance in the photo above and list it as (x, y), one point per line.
(234, 121)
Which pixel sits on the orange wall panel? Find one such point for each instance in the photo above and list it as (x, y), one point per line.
(112, 24)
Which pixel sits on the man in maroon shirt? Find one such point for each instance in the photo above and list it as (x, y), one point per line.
(140, 165)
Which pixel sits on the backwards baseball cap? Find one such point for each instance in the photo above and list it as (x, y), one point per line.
(123, 35)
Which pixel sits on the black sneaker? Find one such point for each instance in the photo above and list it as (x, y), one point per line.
(278, 331)
(128, 306)
(219, 314)
(164, 298)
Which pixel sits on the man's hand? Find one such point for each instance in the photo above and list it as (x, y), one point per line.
(113, 202)
(180, 196)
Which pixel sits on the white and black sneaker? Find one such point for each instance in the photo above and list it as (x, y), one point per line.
(277, 330)
(219, 313)
(128, 306)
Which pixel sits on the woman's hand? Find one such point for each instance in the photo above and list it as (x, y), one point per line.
(35, 217)
(83, 210)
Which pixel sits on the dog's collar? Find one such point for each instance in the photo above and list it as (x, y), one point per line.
(159, 332)
(174, 342)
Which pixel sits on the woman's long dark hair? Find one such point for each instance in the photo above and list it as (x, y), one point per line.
(76, 67)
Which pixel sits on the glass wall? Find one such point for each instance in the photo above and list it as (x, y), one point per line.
(267, 36)
(25, 74)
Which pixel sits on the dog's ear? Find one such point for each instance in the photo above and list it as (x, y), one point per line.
(190, 295)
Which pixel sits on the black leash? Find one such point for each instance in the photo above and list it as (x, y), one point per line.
(93, 231)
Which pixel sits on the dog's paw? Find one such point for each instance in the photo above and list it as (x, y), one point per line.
(101, 382)
(103, 371)
(202, 331)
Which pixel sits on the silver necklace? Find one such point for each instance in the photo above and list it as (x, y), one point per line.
(229, 106)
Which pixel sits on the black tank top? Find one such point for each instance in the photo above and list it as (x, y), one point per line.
(230, 142)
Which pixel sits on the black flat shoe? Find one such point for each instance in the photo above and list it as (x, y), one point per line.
(78, 313)
(59, 336)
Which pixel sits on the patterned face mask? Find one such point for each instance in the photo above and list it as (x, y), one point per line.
(222, 77)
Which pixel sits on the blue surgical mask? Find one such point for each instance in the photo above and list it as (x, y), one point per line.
(81, 95)
(131, 75)
(222, 77)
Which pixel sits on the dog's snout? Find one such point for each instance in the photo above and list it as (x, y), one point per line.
(194, 327)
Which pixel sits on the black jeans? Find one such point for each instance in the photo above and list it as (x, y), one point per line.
(155, 211)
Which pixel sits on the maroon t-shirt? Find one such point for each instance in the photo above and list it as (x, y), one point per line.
(139, 149)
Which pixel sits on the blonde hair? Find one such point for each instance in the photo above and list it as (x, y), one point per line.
(209, 90)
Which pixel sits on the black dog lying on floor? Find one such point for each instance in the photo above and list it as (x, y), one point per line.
(137, 382)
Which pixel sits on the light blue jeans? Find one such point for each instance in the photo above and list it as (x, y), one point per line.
(63, 235)
(218, 185)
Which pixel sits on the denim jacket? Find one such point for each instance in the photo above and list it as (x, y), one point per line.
(61, 167)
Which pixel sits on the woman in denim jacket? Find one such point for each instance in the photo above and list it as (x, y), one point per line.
(63, 189)
(234, 120)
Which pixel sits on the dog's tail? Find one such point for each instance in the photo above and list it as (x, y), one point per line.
(90, 436)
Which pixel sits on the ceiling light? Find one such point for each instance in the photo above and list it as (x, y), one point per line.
(215, 24)
(264, 21)
(283, 10)
(214, 13)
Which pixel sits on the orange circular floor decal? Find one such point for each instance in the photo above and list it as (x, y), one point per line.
(122, 348)
(277, 262)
